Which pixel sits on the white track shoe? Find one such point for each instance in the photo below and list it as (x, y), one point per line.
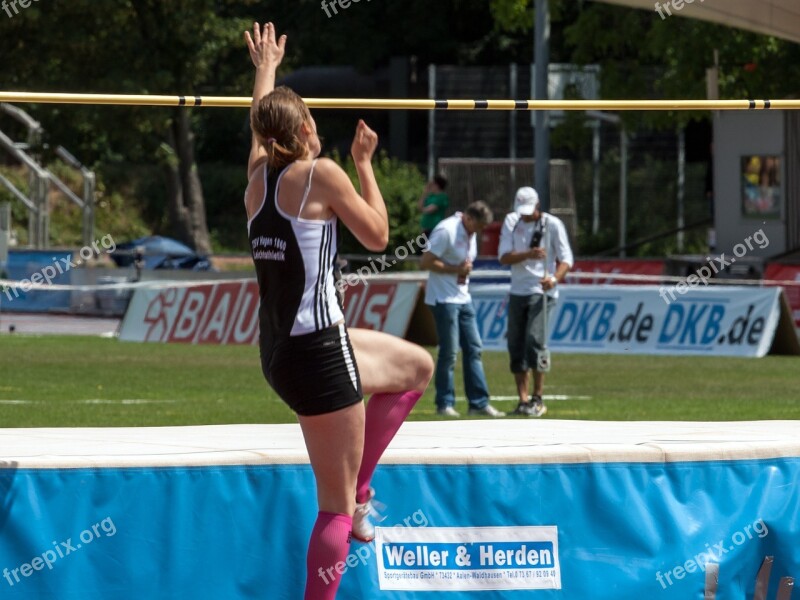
(365, 517)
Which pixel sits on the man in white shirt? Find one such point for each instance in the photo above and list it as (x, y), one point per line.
(536, 246)
(449, 255)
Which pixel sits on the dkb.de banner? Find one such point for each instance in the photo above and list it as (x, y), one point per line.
(721, 321)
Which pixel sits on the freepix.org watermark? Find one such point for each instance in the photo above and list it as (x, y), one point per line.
(46, 275)
(713, 266)
(9, 5)
(712, 554)
(60, 550)
(676, 5)
(364, 551)
(382, 263)
(331, 5)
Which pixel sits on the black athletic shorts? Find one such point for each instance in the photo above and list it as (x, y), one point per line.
(315, 373)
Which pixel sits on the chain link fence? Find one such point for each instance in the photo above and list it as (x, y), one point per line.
(486, 155)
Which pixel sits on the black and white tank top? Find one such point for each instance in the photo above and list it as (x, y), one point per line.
(295, 261)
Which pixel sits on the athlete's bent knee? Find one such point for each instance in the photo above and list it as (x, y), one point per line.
(425, 369)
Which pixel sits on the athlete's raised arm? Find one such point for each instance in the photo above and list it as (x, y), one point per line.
(364, 214)
(266, 52)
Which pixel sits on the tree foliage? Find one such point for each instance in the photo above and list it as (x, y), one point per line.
(195, 47)
(643, 57)
(137, 47)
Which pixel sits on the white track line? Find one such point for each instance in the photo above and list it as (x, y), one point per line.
(553, 397)
(125, 401)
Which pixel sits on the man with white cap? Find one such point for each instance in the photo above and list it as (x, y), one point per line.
(536, 246)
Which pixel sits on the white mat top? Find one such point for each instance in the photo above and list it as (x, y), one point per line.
(512, 441)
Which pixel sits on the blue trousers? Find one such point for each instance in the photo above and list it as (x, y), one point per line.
(456, 326)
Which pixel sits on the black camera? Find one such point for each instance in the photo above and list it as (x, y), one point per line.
(536, 239)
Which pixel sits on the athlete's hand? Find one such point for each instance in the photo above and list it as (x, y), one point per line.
(266, 49)
(364, 143)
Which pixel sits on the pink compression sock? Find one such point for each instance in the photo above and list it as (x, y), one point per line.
(329, 545)
(385, 414)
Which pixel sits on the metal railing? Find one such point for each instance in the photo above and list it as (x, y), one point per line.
(40, 179)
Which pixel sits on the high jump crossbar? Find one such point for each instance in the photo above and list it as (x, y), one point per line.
(403, 104)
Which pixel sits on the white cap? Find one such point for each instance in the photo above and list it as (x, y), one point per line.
(526, 201)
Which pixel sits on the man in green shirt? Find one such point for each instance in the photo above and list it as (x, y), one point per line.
(433, 203)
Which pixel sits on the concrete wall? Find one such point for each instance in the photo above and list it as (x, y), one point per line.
(738, 134)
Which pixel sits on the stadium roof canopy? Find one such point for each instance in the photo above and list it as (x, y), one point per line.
(779, 18)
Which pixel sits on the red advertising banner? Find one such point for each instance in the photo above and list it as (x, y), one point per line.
(617, 266)
(227, 313)
(778, 272)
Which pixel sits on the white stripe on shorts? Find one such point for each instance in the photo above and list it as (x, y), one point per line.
(348, 358)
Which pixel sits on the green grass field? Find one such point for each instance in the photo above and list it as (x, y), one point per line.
(93, 382)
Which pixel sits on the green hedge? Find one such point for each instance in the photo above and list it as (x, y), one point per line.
(401, 184)
(224, 186)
